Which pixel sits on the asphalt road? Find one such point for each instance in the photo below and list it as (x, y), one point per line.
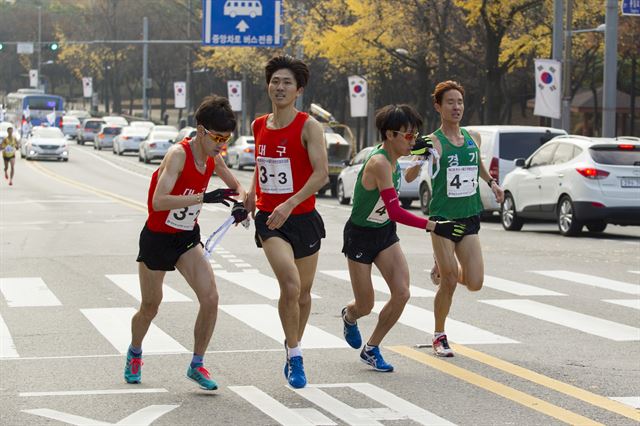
(552, 338)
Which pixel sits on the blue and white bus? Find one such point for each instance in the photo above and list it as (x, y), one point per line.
(33, 106)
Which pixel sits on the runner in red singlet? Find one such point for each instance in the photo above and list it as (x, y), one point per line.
(291, 166)
(171, 237)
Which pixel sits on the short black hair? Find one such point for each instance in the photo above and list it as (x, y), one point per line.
(395, 117)
(214, 113)
(298, 68)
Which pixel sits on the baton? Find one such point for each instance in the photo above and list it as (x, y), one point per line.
(216, 236)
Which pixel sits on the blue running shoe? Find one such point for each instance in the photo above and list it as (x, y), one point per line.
(374, 358)
(296, 377)
(201, 376)
(133, 368)
(351, 332)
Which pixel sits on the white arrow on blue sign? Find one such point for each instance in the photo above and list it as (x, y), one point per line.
(236, 23)
(631, 7)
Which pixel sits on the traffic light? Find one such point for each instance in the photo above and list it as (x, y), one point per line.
(54, 46)
(1, 47)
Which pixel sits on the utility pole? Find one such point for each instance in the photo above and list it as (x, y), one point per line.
(145, 71)
(557, 44)
(188, 79)
(609, 90)
(39, 43)
(566, 70)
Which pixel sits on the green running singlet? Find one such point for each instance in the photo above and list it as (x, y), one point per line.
(456, 194)
(368, 207)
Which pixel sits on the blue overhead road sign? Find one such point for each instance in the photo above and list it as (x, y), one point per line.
(631, 7)
(237, 23)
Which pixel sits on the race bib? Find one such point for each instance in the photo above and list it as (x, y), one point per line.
(183, 218)
(379, 213)
(9, 149)
(274, 175)
(462, 181)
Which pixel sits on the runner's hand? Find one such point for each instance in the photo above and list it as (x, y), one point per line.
(422, 146)
(219, 196)
(239, 213)
(450, 229)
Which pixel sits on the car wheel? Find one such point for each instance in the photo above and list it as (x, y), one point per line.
(238, 163)
(65, 159)
(120, 153)
(425, 198)
(139, 157)
(342, 199)
(406, 202)
(597, 226)
(508, 217)
(568, 224)
(146, 159)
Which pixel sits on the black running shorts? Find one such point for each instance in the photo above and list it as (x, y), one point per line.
(363, 244)
(160, 251)
(303, 231)
(472, 222)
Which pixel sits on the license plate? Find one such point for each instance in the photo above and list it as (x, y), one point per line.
(630, 182)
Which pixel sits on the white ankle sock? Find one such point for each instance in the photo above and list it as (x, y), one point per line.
(438, 334)
(291, 352)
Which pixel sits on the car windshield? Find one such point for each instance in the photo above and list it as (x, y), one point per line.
(93, 124)
(112, 130)
(49, 133)
(67, 119)
(521, 145)
(615, 155)
(135, 131)
(337, 153)
(163, 136)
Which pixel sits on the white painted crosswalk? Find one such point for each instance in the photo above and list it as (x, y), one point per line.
(629, 303)
(7, 346)
(130, 283)
(30, 291)
(517, 288)
(594, 281)
(256, 282)
(379, 284)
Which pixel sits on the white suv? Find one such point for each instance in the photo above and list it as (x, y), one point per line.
(576, 181)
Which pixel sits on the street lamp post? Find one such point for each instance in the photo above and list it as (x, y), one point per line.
(609, 89)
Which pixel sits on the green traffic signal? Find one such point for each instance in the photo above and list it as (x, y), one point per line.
(54, 46)
(1, 46)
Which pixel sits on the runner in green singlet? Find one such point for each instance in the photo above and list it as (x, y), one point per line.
(456, 196)
(370, 234)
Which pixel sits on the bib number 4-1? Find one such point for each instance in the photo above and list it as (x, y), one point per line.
(462, 181)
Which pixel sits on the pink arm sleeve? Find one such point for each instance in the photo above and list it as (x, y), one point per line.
(397, 213)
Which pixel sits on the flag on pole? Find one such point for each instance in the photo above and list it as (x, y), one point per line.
(179, 94)
(87, 87)
(26, 113)
(548, 88)
(51, 117)
(234, 89)
(358, 96)
(33, 78)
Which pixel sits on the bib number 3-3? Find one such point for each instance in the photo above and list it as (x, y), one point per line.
(274, 175)
(183, 218)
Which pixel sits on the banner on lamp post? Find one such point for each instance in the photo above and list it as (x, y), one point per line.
(33, 78)
(234, 89)
(548, 89)
(358, 96)
(87, 87)
(179, 94)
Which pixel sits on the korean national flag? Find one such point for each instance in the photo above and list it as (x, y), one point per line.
(234, 89)
(180, 94)
(548, 88)
(33, 78)
(87, 87)
(358, 96)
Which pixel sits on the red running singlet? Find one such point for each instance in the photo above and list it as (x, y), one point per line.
(282, 164)
(190, 182)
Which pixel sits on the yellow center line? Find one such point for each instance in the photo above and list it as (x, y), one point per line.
(565, 388)
(110, 195)
(504, 391)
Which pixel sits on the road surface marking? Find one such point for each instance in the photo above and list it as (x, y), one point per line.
(629, 303)
(32, 291)
(115, 325)
(256, 282)
(457, 331)
(130, 283)
(517, 288)
(7, 346)
(585, 323)
(592, 280)
(265, 319)
(379, 284)
(92, 392)
(497, 388)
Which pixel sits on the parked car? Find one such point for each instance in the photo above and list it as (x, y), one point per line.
(88, 130)
(146, 124)
(240, 152)
(155, 145)
(500, 145)
(79, 114)
(348, 176)
(45, 142)
(70, 126)
(186, 132)
(129, 139)
(165, 128)
(115, 119)
(104, 138)
(575, 181)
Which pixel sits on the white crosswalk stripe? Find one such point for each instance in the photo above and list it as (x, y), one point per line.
(585, 323)
(256, 282)
(265, 319)
(115, 325)
(30, 291)
(131, 284)
(592, 280)
(457, 331)
(629, 303)
(7, 346)
(379, 284)
(517, 288)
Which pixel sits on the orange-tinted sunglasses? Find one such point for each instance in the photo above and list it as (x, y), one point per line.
(217, 139)
(408, 136)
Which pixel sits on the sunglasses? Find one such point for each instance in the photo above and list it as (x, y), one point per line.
(408, 136)
(217, 139)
